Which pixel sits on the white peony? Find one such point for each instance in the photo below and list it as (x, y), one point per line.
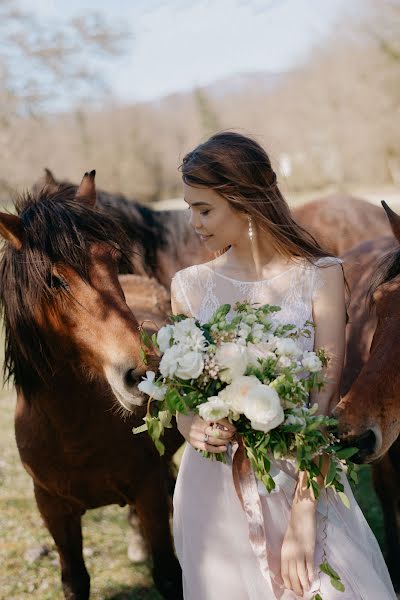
(263, 408)
(147, 386)
(214, 409)
(190, 365)
(311, 362)
(164, 337)
(288, 347)
(232, 360)
(235, 394)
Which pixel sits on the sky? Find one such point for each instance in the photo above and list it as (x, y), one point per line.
(176, 45)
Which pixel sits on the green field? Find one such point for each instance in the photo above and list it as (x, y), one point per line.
(105, 536)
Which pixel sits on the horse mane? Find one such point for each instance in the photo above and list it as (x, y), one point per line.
(57, 228)
(388, 268)
(152, 230)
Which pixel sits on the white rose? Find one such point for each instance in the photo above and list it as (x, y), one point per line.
(263, 408)
(164, 337)
(189, 335)
(235, 394)
(288, 347)
(214, 409)
(169, 361)
(256, 351)
(311, 362)
(148, 386)
(190, 365)
(232, 360)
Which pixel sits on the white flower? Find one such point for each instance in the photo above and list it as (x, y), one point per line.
(169, 361)
(260, 350)
(235, 394)
(269, 341)
(263, 408)
(244, 330)
(164, 337)
(232, 360)
(190, 366)
(284, 362)
(288, 347)
(188, 335)
(251, 318)
(293, 420)
(214, 409)
(311, 362)
(148, 386)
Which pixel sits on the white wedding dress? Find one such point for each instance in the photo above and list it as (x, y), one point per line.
(210, 526)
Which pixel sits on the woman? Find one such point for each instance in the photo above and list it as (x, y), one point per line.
(263, 256)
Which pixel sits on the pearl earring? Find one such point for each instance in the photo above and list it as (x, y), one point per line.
(250, 229)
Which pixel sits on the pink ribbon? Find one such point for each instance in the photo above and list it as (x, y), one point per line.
(246, 489)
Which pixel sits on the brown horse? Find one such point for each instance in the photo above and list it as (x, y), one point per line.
(338, 222)
(72, 348)
(368, 412)
(162, 242)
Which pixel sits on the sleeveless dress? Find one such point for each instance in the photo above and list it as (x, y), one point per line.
(211, 532)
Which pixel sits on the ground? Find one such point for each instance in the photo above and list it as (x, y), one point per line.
(25, 574)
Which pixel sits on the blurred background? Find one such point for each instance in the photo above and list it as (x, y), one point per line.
(127, 87)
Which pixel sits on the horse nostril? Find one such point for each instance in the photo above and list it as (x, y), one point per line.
(366, 445)
(130, 378)
(366, 441)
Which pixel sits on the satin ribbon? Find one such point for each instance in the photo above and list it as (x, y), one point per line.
(247, 491)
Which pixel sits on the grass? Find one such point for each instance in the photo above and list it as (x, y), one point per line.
(105, 530)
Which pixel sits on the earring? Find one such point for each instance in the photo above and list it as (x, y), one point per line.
(250, 228)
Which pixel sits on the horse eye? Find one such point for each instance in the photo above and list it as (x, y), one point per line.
(58, 283)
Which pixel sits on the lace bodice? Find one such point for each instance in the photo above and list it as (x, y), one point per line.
(199, 290)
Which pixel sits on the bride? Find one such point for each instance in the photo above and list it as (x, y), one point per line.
(263, 256)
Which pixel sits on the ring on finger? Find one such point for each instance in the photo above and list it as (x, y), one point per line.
(206, 436)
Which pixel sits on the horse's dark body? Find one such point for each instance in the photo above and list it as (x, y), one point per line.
(73, 346)
(365, 382)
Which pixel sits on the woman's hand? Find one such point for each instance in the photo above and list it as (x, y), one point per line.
(210, 436)
(297, 553)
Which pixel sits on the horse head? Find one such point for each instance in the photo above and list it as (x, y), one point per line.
(61, 299)
(369, 414)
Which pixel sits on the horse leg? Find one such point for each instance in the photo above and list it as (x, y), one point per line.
(152, 506)
(64, 524)
(137, 550)
(387, 486)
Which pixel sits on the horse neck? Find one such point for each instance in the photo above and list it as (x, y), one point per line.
(70, 400)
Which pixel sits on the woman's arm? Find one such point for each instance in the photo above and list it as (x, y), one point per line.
(329, 315)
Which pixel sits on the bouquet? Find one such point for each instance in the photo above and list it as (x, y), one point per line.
(255, 374)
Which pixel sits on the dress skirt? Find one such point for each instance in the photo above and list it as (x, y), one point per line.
(212, 538)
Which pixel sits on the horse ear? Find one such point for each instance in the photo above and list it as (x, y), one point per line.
(49, 178)
(394, 220)
(11, 229)
(86, 192)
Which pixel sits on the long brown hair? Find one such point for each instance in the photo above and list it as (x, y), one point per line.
(239, 169)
